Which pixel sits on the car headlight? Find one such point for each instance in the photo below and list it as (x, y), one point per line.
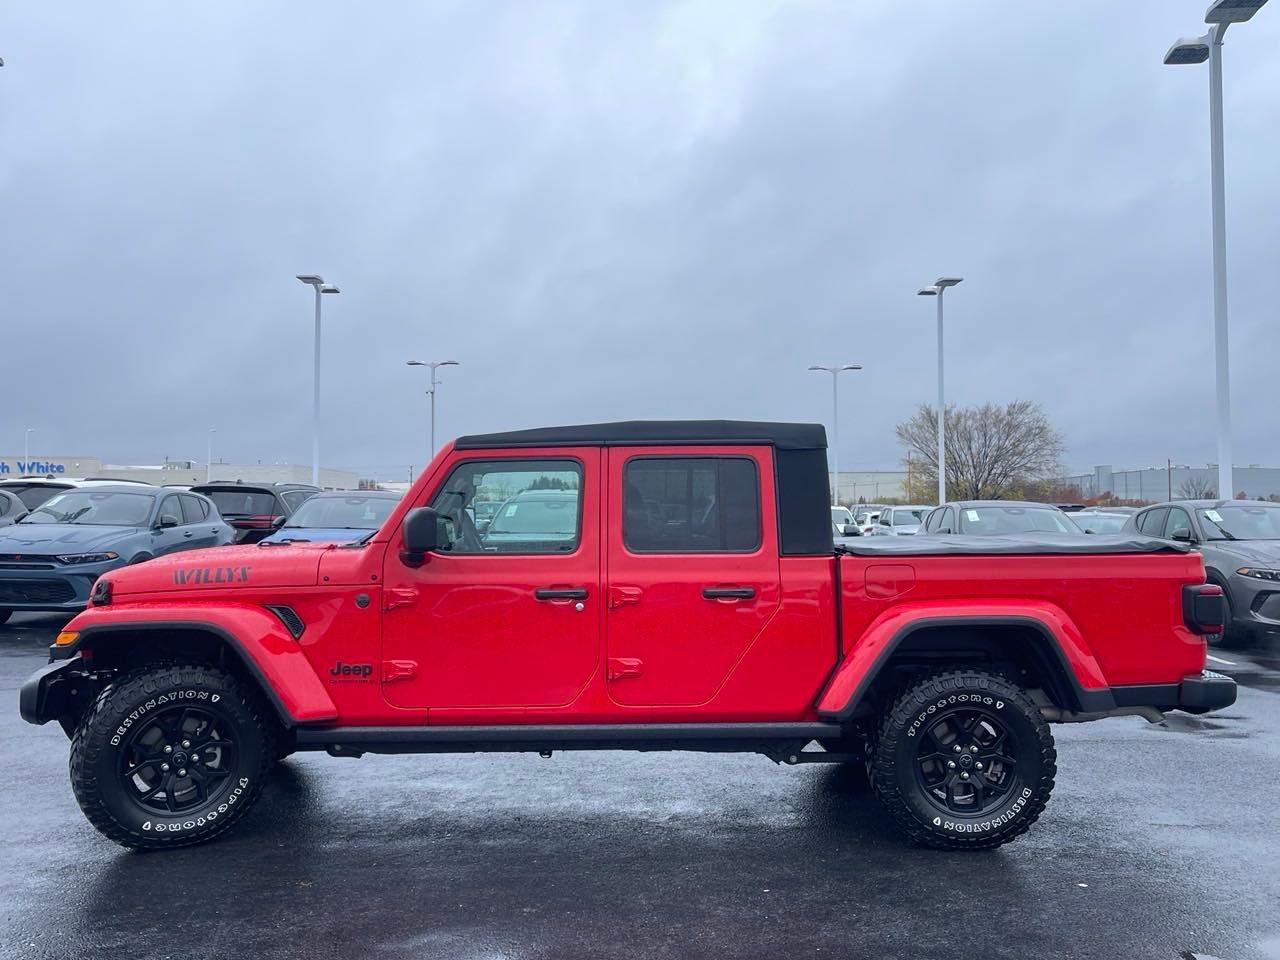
(1258, 573)
(88, 557)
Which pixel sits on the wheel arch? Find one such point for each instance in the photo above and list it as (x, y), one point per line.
(272, 663)
(1023, 643)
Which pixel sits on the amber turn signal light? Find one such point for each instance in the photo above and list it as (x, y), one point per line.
(66, 638)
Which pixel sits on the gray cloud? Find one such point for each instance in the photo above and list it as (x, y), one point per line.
(623, 210)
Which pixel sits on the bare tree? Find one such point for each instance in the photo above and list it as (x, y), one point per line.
(992, 450)
(1197, 488)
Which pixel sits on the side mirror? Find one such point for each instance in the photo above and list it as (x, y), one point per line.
(166, 523)
(1182, 535)
(278, 522)
(421, 535)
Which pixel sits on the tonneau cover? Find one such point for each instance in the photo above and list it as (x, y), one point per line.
(960, 545)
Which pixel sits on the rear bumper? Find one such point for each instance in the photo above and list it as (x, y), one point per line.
(1209, 691)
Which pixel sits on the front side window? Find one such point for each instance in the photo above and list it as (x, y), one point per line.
(539, 507)
(691, 505)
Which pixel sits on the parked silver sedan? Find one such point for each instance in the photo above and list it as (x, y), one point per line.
(899, 521)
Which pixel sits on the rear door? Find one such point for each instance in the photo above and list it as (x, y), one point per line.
(691, 568)
(195, 514)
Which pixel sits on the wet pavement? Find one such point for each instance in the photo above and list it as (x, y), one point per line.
(1160, 842)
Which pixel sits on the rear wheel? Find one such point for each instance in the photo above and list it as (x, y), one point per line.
(170, 755)
(964, 761)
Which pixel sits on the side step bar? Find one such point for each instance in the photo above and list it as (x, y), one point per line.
(777, 740)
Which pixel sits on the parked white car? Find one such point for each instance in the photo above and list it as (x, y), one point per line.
(899, 521)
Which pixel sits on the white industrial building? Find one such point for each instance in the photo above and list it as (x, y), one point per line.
(174, 471)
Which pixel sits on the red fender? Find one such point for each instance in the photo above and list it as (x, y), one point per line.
(263, 644)
(877, 644)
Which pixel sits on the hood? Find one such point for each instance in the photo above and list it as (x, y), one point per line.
(220, 568)
(317, 534)
(1262, 553)
(53, 538)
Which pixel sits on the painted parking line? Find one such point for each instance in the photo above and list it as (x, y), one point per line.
(1227, 663)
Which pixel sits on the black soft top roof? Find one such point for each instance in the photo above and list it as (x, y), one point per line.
(784, 436)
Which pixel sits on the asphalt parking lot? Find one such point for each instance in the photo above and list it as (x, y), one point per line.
(1160, 842)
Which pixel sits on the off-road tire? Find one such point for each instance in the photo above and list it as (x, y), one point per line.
(121, 716)
(938, 702)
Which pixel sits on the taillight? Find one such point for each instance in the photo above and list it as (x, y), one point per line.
(1204, 608)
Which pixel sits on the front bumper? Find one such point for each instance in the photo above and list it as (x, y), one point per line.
(50, 588)
(1209, 691)
(55, 692)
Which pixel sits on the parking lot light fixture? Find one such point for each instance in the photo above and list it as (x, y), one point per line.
(434, 365)
(316, 282)
(835, 372)
(1221, 14)
(937, 289)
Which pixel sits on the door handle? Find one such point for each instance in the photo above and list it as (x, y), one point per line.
(187, 536)
(728, 593)
(561, 593)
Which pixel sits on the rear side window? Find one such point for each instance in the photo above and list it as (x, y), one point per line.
(1152, 522)
(193, 508)
(296, 498)
(691, 505)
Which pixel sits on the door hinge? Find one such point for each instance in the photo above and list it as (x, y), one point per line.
(399, 670)
(400, 597)
(620, 667)
(620, 596)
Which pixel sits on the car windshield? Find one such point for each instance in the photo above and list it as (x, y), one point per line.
(1239, 522)
(908, 516)
(558, 517)
(1102, 522)
(342, 513)
(243, 503)
(96, 508)
(993, 520)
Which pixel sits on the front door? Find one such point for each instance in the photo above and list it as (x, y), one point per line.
(692, 574)
(507, 614)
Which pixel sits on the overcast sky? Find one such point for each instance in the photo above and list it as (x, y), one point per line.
(613, 210)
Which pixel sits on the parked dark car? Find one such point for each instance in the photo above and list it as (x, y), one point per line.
(1240, 543)
(12, 509)
(51, 558)
(254, 509)
(996, 518)
(337, 516)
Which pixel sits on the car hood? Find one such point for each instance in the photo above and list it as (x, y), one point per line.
(54, 538)
(220, 568)
(317, 534)
(1260, 552)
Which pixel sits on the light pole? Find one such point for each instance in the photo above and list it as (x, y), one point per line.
(938, 288)
(835, 424)
(1220, 15)
(434, 365)
(208, 463)
(26, 447)
(320, 287)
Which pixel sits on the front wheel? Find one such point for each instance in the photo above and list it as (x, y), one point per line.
(170, 755)
(964, 761)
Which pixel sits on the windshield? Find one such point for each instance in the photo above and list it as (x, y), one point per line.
(94, 508)
(243, 503)
(1260, 522)
(1102, 522)
(993, 521)
(558, 517)
(908, 516)
(342, 513)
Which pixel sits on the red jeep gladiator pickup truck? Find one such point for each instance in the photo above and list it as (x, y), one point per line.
(624, 586)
